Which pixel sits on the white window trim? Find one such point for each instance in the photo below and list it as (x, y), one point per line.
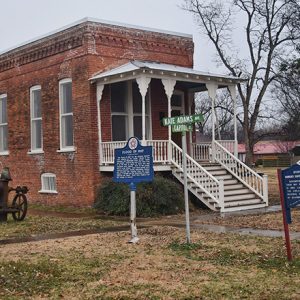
(38, 150)
(181, 108)
(44, 191)
(61, 148)
(2, 96)
(130, 114)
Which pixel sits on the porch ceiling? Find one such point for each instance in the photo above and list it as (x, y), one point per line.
(187, 77)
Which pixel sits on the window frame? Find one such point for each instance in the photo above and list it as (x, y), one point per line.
(4, 96)
(61, 115)
(129, 114)
(43, 177)
(32, 119)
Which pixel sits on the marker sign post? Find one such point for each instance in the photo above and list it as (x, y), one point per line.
(289, 184)
(184, 124)
(133, 164)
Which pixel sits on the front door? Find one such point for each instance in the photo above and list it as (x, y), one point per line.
(177, 105)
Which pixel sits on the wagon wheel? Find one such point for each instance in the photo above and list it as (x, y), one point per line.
(19, 203)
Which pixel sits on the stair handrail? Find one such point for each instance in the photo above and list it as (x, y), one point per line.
(210, 187)
(237, 168)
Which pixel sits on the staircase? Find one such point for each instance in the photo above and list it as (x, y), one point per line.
(225, 185)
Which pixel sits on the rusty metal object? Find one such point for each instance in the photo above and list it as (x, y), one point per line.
(18, 209)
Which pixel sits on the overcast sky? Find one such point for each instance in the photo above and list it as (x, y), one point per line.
(27, 19)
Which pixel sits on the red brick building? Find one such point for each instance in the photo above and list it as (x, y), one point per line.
(69, 98)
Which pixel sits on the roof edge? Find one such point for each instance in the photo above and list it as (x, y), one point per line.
(93, 20)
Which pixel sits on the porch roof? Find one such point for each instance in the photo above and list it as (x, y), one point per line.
(189, 76)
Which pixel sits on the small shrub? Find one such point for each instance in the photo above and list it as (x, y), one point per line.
(162, 196)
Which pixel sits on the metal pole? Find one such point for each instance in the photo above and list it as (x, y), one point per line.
(186, 195)
(134, 237)
(285, 224)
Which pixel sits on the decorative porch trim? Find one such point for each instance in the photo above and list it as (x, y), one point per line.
(99, 92)
(143, 84)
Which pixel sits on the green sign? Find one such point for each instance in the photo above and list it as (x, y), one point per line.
(182, 128)
(180, 120)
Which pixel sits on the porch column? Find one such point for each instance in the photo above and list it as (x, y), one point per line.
(99, 92)
(169, 85)
(190, 103)
(232, 90)
(143, 84)
(212, 91)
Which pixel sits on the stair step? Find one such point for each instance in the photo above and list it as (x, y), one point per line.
(230, 181)
(213, 168)
(224, 177)
(243, 203)
(239, 197)
(218, 172)
(236, 192)
(228, 187)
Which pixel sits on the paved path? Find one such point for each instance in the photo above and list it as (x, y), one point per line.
(180, 223)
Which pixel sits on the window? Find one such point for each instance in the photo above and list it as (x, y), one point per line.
(36, 119)
(137, 112)
(48, 181)
(3, 125)
(119, 111)
(66, 115)
(126, 111)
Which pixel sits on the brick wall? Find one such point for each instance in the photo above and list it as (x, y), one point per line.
(77, 53)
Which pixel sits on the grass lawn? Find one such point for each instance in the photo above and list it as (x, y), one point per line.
(39, 224)
(274, 196)
(161, 266)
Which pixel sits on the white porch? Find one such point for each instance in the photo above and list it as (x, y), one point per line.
(200, 152)
(215, 175)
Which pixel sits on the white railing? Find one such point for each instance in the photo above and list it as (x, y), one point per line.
(246, 175)
(199, 176)
(227, 144)
(201, 151)
(108, 151)
(160, 150)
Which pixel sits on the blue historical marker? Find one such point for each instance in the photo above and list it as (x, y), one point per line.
(133, 164)
(291, 189)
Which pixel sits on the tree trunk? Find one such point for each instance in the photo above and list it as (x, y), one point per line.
(249, 145)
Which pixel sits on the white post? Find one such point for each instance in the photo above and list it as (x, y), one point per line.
(190, 103)
(143, 84)
(99, 92)
(232, 90)
(169, 85)
(212, 91)
(265, 189)
(186, 194)
(221, 195)
(134, 237)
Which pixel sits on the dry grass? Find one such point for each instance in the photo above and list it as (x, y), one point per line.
(274, 196)
(270, 221)
(161, 266)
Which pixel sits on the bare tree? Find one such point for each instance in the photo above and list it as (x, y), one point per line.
(224, 114)
(286, 90)
(270, 32)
